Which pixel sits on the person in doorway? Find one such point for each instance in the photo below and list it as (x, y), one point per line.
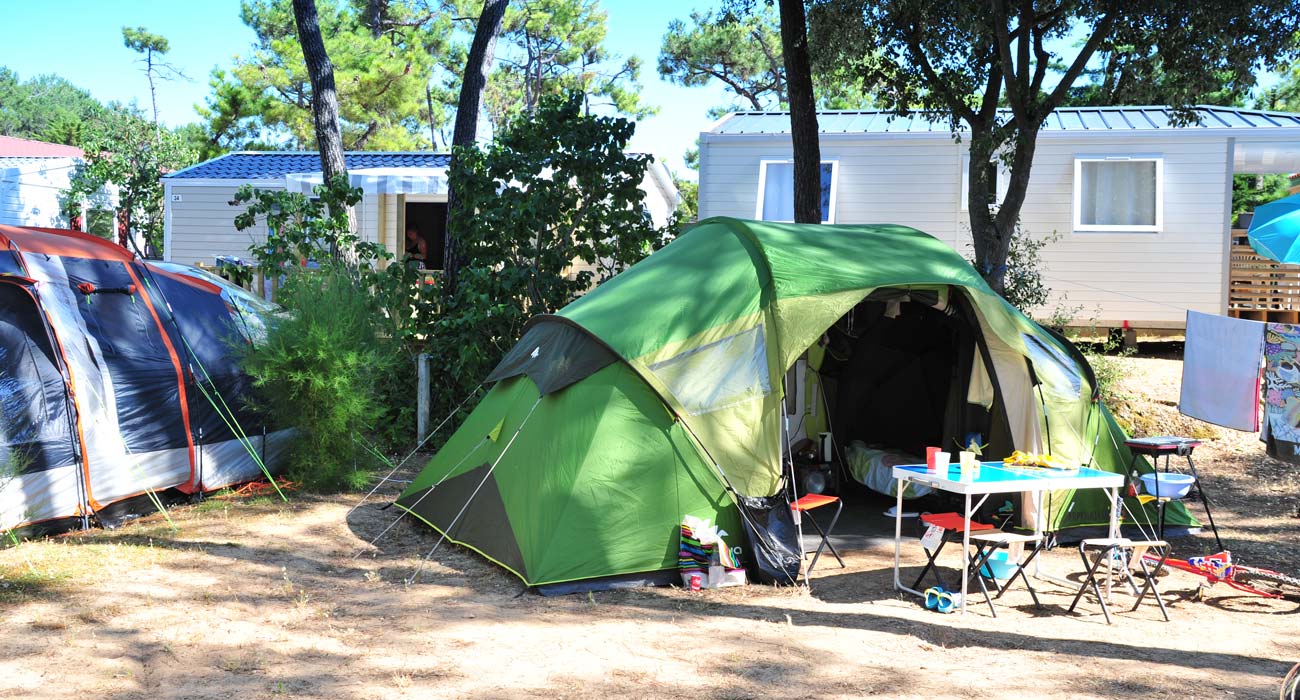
(416, 248)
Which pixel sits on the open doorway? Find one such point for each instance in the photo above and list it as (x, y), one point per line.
(426, 226)
(905, 369)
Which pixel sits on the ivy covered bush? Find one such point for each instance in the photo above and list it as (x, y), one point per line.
(548, 210)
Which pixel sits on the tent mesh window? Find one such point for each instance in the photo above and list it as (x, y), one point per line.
(1050, 359)
(721, 374)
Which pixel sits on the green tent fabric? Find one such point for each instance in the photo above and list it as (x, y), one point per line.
(646, 399)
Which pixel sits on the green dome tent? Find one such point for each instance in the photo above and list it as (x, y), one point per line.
(640, 402)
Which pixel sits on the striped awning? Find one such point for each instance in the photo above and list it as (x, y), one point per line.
(394, 180)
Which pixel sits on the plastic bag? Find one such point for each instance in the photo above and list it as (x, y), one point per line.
(775, 552)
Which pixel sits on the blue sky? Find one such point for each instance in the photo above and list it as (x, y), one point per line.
(81, 40)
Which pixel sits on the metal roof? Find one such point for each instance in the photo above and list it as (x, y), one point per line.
(1077, 119)
(274, 165)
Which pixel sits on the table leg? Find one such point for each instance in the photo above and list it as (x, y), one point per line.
(1112, 532)
(900, 485)
(965, 555)
(1038, 526)
(1205, 501)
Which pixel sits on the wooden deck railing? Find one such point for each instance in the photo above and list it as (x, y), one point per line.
(1259, 288)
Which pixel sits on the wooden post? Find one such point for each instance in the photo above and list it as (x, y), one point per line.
(422, 397)
(1130, 338)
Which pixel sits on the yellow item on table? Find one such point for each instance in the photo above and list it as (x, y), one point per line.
(1030, 459)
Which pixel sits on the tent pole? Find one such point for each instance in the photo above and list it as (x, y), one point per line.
(794, 486)
(726, 483)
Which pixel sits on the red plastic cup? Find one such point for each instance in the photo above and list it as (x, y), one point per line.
(930, 452)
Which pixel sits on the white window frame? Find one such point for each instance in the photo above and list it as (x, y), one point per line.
(1159, 225)
(1000, 187)
(762, 188)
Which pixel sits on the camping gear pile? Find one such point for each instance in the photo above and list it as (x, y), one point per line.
(118, 382)
(704, 558)
(661, 394)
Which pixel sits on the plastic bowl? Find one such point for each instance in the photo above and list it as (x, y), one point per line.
(999, 566)
(1171, 485)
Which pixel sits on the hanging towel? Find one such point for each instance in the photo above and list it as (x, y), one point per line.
(1221, 370)
(1282, 391)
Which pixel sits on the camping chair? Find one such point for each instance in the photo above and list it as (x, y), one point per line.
(1132, 551)
(817, 500)
(988, 543)
(953, 525)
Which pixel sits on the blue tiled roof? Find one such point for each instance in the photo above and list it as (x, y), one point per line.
(1078, 119)
(271, 165)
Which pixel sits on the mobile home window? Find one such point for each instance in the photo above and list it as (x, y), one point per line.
(1119, 194)
(776, 191)
(1001, 185)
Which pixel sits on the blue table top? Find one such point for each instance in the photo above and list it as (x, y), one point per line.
(1000, 476)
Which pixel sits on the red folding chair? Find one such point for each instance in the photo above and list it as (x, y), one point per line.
(817, 500)
(953, 525)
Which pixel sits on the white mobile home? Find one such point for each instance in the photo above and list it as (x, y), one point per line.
(34, 179)
(1141, 207)
(398, 189)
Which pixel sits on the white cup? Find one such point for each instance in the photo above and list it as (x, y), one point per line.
(941, 461)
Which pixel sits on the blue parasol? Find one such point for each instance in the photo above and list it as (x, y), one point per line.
(1275, 230)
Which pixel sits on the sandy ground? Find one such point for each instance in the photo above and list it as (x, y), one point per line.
(253, 598)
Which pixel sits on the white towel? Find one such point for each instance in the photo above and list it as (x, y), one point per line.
(1221, 362)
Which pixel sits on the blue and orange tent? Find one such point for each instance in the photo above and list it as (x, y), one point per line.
(118, 381)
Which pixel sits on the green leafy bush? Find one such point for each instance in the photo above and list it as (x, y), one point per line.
(550, 209)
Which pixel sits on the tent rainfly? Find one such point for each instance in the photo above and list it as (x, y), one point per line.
(661, 391)
(117, 381)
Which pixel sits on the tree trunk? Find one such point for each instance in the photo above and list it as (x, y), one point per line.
(477, 66)
(375, 10)
(153, 92)
(803, 114)
(992, 230)
(990, 244)
(124, 225)
(324, 103)
(324, 98)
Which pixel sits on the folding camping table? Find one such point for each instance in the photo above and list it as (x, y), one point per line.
(994, 477)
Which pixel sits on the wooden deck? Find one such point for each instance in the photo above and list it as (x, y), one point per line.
(1261, 289)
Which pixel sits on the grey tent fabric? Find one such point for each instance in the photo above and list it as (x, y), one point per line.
(554, 353)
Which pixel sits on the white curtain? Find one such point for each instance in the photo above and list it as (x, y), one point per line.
(778, 192)
(1118, 193)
